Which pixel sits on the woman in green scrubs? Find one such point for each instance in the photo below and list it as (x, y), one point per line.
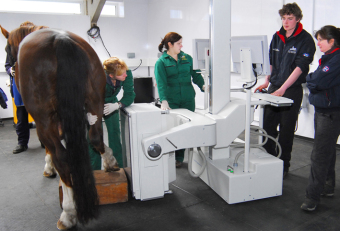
(118, 77)
(174, 76)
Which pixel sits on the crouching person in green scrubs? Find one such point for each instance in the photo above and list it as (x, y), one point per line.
(118, 77)
(173, 73)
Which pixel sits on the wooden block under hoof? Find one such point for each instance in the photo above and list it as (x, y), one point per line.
(112, 187)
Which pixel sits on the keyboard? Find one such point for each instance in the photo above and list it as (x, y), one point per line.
(274, 100)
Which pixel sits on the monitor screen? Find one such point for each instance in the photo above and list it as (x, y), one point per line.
(144, 90)
(199, 48)
(258, 46)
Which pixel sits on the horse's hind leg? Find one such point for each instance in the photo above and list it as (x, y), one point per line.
(68, 217)
(49, 170)
(55, 157)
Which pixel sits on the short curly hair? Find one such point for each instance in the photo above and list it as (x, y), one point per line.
(115, 66)
(27, 23)
(291, 8)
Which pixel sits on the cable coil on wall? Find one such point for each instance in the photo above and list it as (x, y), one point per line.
(94, 32)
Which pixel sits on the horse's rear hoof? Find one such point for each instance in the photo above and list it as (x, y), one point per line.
(47, 175)
(61, 226)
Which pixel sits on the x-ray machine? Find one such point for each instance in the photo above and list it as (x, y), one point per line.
(150, 136)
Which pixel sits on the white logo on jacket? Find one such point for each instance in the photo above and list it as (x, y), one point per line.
(292, 50)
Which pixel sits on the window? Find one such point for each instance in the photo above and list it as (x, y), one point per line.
(113, 9)
(39, 6)
(109, 9)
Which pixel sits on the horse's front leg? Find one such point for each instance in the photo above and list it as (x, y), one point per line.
(49, 170)
(96, 138)
(109, 161)
(68, 217)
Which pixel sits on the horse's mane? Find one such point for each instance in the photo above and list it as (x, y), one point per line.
(17, 35)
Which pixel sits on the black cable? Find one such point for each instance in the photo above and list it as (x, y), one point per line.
(255, 74)
(138, 65)
(104, 45)
(244, 85)
(94, 32)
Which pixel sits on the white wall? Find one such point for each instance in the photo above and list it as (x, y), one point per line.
(193, 24)
(125, 35)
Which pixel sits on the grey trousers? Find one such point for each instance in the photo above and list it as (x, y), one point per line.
(322, 173)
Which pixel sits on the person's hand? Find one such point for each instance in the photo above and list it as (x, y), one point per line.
(13, 71)
(110, 107)
(8, 83)
(279, 92)
(91, 118)
(165, 105)
(263, 86)
(203, 87)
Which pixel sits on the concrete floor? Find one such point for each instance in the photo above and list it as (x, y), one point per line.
(30, 201)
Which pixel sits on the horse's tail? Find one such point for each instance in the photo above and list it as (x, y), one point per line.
(72, 78)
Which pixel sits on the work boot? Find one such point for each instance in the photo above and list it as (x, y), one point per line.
(327, 192)
(19, 148)
(309, 205)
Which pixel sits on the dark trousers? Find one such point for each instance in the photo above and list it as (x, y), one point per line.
(286, 118)
(322, 173)
(22, 128)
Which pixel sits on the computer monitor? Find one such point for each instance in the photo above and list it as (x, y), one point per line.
(144, 90)
(258, 46)
(199, 49)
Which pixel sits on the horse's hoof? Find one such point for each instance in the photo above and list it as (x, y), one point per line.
(61, 226)
(115, 168)
(52, 175)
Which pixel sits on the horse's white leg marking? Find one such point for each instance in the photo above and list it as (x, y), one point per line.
(69, 215)
(109, 161)
(49, 169)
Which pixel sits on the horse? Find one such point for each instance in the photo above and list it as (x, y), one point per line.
(61, 79)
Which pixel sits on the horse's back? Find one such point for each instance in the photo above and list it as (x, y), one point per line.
(38, 66)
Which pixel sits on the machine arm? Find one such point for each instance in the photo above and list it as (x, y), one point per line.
(199, 131)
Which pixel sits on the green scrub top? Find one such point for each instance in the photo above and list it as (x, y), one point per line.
(129, 93)
(174, 78)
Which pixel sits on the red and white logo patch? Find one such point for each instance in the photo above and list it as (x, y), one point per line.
(325, 69)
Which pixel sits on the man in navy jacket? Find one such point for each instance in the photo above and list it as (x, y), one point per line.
(291, 51)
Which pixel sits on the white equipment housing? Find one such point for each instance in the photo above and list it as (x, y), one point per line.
(263, 180)
(149, 179)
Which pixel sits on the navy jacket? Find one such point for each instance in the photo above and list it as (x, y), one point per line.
(285, 54)
(324, 83)
(14, 90)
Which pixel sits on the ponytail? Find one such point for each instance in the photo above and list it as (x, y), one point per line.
(171, 37)
(160, 46)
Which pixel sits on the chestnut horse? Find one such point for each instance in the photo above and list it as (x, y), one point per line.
(60, 79)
